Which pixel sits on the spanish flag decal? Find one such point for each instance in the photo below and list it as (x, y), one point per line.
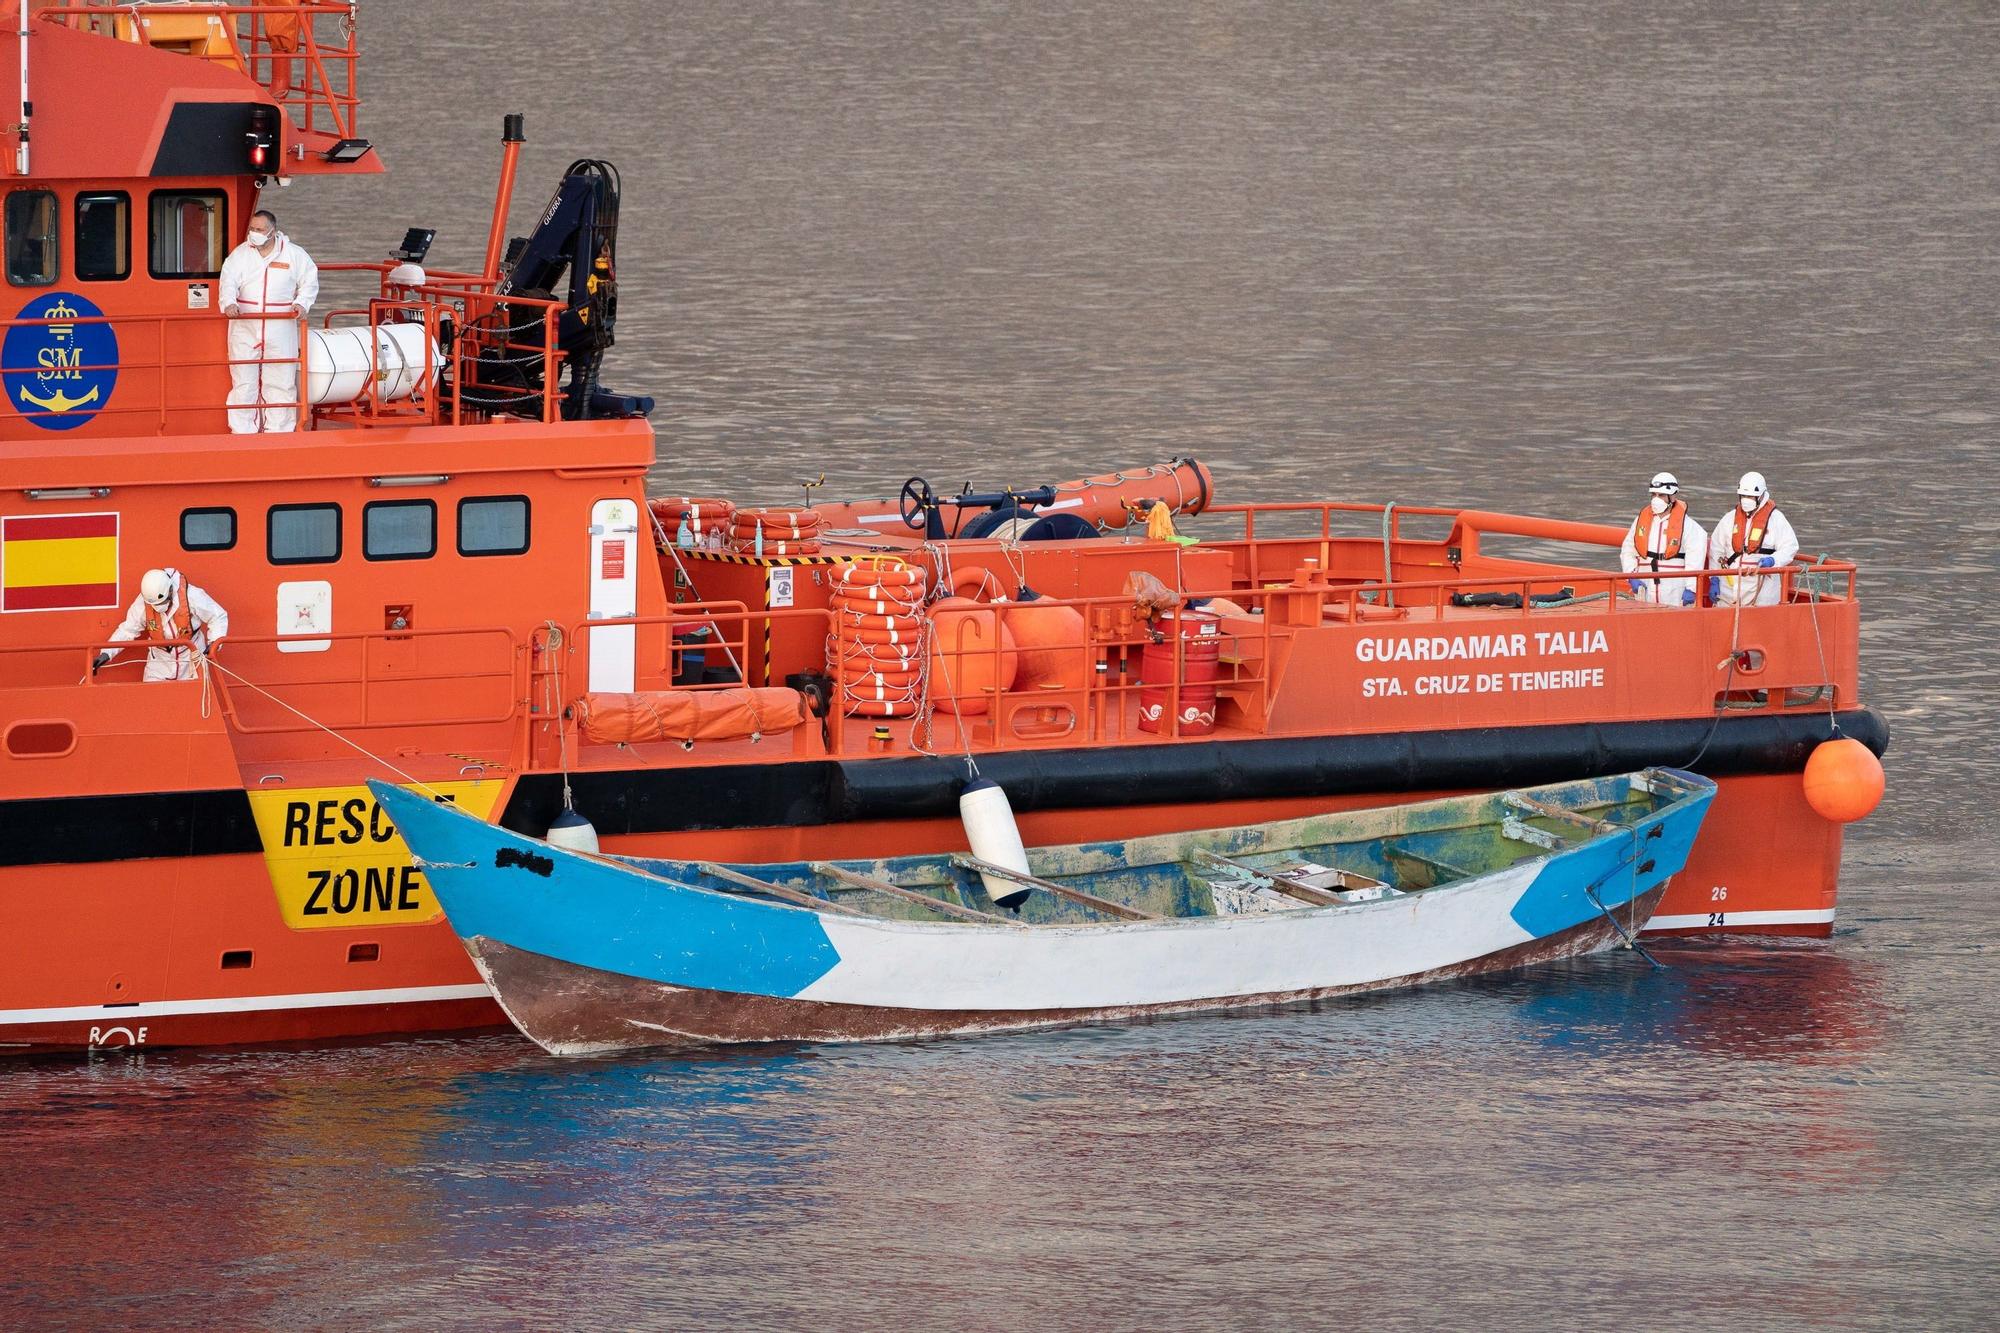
(59, 562)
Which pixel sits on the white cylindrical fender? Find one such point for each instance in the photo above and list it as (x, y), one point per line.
(340, 362)
(995, 837)
(572, 832)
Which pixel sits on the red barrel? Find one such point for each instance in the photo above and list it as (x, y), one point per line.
(1201, 652)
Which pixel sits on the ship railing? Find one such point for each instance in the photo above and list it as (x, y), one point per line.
(179, 342)
(1380, 536)
(501, 353)
(306, 53)
(174, 369)
(347, 681)
(726, 636)
(360, 681)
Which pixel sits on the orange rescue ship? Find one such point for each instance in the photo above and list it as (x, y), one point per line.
(451, 574)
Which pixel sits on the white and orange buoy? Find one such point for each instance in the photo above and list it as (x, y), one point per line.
(1843, 780)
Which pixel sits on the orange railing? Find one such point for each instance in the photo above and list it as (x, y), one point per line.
(178, 347)
(305, 52)
(501, 354)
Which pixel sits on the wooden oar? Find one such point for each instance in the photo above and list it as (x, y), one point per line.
(1316, 897)
(1089, 900)
(780, 891)
(872, 884)
(1556, 812)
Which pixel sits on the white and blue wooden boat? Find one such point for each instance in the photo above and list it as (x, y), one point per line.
(591, 953)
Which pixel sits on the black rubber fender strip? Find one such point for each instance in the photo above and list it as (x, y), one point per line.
(809, 792)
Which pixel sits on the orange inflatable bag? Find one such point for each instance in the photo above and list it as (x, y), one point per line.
(687, 715)
(1050, 639)
(964, 671)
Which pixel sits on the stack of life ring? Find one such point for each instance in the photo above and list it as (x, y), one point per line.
(692, 520)
(775, 532)
(877, 652)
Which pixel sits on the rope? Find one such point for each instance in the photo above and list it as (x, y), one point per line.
(306, 717)
(558, 645)
(1735, 626)
(1832, 721)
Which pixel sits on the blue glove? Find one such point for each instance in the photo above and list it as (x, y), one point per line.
(1714, 589)
(1687, 596)
(1768, 561)
(1633, 584)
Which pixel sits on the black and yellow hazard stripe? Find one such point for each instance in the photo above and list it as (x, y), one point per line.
(768, 561)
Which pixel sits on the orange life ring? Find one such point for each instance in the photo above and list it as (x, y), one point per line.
(878, 707)
(882, 575)
(778, 518)
(677, 506)
(851, 620)
(774, 549)
(875, 679)
(984, 582)
(888, 606)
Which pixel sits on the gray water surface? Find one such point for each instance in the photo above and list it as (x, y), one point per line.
(1509, 255)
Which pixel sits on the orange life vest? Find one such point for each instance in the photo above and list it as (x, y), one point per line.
(176, 624)
(1676, 517)
(1750, 529)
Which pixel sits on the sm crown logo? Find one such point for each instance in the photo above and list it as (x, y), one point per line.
(59, 362)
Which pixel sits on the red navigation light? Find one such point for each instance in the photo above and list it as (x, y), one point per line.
(261, 139)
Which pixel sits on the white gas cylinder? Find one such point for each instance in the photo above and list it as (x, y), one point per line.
(994, 836)
(340, 362)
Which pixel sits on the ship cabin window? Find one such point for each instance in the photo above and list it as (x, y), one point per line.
(103, 237)
(190, 233)
(399, 530)
(31, 238)
(303, 535)
(208, 529)
(493, 525)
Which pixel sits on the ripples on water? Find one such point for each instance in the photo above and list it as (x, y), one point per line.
(1508, 255)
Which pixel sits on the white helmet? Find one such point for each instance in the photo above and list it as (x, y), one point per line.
(1664, 483)
(406, 275)
(1752, 486)
(157, 587)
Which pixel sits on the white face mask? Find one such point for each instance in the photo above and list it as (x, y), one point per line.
(1659, 504)
(1749, 503)
(260, 239)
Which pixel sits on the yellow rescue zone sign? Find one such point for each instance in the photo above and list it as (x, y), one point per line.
(335, 859)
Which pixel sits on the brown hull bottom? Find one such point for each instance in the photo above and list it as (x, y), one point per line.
(573, 1010)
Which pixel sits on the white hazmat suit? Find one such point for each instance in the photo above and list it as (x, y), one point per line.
(1693, 552)
(192, 614)
(1778, 548)
(265, 397)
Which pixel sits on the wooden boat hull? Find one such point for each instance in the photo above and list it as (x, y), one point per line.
(590, 953)
(572, 1010)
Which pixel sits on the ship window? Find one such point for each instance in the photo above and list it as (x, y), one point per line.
(304, 534)
(208, 529)
(31, 238)
(493, 525)
(399, 530)
(190, 234)
(103, 237)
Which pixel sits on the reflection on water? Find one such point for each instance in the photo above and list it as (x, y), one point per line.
(1502, 255)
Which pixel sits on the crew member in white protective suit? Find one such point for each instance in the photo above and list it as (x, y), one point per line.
(169, 607)
(267, 275)
(1754, 535)
(1663, 537)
